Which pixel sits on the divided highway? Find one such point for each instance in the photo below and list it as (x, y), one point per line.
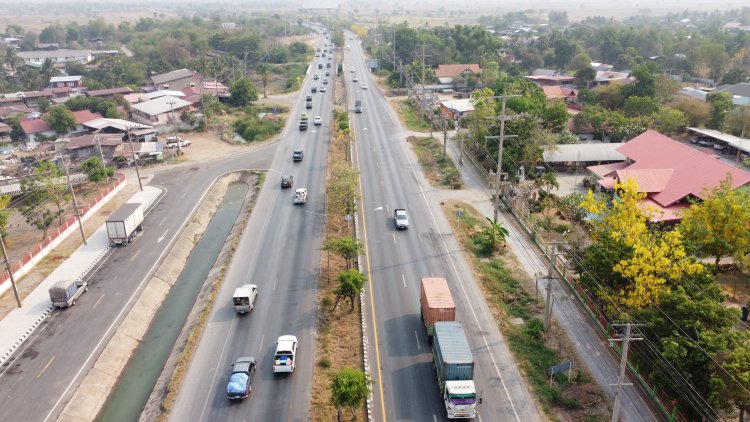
(38, 381)
(405, 381)
(280, 252)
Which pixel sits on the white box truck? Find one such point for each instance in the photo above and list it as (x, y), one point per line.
(244, 298)
(123, 224)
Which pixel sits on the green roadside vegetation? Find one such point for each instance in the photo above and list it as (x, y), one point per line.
(510, 294)
(438, 168)
(411, 118)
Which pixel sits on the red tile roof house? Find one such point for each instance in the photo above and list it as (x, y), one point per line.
(457, 74)
(36, 127)
(669, 172)
(556, 92)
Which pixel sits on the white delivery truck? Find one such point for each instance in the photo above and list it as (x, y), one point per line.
(123, 224)
(244, 298)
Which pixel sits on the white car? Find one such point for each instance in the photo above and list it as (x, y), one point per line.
(353, 69)
(364, 86)
(317, 121)
(182, 143)
(355, 79)
(323, 88)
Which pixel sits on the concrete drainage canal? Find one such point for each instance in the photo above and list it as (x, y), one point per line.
(145, 366)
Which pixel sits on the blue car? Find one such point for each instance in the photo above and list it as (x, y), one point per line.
(240, 382)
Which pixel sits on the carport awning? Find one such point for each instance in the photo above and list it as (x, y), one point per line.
(741, 144)
(595, 152)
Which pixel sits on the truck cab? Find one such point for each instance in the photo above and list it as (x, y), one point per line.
(460, 398)
(244, 298)
(285, 358)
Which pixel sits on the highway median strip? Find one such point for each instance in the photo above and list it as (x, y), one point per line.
(338, 323)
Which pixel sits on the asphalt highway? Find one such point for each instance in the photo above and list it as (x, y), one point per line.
(38, 381)
(405, 382)
(280, 252)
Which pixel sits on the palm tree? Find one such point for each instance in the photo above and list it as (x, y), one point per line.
(264, 71)
(548, 181)
(10, 59)
(495, 234)
(48, 70)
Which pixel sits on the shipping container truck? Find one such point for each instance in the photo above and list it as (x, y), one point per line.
(437, 303)
(124, 223)
(454, 366)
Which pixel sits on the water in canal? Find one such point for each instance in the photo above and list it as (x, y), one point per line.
(134, 386)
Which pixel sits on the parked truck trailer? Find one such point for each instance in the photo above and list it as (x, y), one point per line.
(123, 224)
(454, 366)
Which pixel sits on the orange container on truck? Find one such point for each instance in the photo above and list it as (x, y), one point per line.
(436, 302)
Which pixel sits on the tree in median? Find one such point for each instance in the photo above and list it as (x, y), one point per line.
(351, 283)
(61, 119)
(343, 188)
(345, 247)
(349, 388)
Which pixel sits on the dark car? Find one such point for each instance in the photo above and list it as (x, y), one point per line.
(303, 125)
(309, 97)
(314, 90)
(240, 383)
(297, 155)
(308, 105)
(287, 181)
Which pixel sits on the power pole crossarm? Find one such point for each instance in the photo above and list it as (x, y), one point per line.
(626, 339)
(502, 117)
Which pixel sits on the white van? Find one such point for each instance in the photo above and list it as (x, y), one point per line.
(244, 298)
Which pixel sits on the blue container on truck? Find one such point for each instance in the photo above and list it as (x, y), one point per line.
(454, 365)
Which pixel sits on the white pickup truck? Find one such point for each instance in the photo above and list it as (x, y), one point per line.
(401, 218)
(285, 358)
(300, 196)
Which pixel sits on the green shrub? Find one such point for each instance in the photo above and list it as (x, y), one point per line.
(324, 362)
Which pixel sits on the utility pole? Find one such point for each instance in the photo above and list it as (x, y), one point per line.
(135, 159)
(98, 143)
(66, 163)
(628, 337)
(550, 278)
(461, 148)
(423, 56)
(10, 271)
(502, 137)
(174, 124)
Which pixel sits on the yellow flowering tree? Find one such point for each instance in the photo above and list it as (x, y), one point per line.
(656, 259)
(719, 226)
